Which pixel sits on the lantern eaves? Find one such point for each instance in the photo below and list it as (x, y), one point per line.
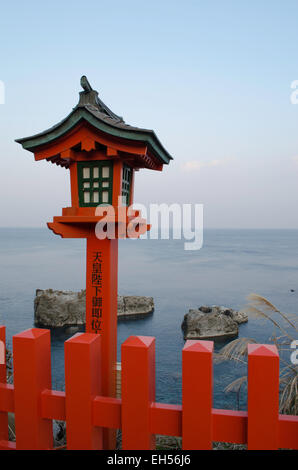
(91, 109)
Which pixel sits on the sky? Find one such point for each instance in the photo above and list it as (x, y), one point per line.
(212, 78)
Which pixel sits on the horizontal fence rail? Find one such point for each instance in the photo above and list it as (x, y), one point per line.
(137, 414)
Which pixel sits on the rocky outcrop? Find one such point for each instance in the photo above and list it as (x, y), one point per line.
(133, 306)
(53, 308)
(212, 323)
(59, 308)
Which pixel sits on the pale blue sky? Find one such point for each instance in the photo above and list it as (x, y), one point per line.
(212, 78)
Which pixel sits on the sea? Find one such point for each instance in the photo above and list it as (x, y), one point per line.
(230, 265)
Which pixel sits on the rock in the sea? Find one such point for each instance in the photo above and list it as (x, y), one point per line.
(54, 308)
(212, 323)
(239, 317)
(133, 306)
(136, 306)
(59, 308)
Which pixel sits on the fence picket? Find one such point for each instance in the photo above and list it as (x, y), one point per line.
(82, 384)
(138, 392)
(3, 415)
(32, 375)
(263, 397)
(197, 379)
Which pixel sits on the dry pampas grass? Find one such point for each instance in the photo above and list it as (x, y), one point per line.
(261, 308)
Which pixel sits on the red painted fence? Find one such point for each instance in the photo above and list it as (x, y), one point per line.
(86, 412)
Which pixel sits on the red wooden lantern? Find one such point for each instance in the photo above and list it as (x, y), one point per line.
(102, 153)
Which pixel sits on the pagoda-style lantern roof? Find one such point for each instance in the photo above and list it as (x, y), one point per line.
(140, 146)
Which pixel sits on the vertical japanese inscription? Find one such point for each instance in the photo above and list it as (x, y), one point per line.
(97, 289)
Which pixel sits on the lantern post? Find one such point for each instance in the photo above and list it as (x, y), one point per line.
(102, 154)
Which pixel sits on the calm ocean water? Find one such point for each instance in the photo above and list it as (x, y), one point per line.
(231, 264)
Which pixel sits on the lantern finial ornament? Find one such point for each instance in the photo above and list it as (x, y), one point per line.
(85, 84)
